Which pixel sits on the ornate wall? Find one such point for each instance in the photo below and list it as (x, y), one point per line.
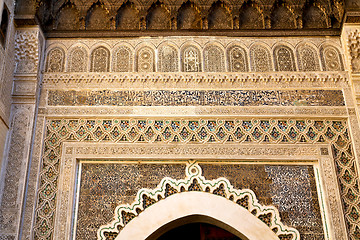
(106, 131)
(113, 112)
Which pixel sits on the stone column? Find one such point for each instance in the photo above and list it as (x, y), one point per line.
(29, 44)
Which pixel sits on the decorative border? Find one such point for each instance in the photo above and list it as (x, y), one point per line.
(89, 79)
(194, 181)
(209, 131)
(114, 111)
(240, 98)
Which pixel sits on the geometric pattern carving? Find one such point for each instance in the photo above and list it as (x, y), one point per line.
(194, 181)
(260, 59)
(100, 60)
(55, 60)
(174, 131)
(145, 60)
(168, 59)
(237, 59)
(308, 58)
(190, 58)
(122, 60)
(284, 59)
(354, 49)
(77, 60)
(213, 59)
(330, 58)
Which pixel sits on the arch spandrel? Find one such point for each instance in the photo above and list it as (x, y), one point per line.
(217, 199)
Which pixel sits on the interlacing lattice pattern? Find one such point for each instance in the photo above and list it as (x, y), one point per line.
(194, 181)
(284, 131)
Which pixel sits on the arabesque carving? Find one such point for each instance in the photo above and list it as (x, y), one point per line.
(267, 131)
(194, 181)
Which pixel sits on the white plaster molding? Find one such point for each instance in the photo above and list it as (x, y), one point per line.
(190, 203)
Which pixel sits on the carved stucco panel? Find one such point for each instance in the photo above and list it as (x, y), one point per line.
(27, 51)
(15, 168)
(74, 151)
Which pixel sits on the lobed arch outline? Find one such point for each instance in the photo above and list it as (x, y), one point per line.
(340, 54)
(292, 50)
(198, 48)
(114, 51)
(52, 47)
(93, 49)
(48, 58)
(196, 195)
(140, 47)
(265, 46)
(222, 49)
(100, 44)
(160, 47)
(313, 47)
(243, 48)
(83, 48)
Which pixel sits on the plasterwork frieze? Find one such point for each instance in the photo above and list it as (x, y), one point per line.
(173, 132)
(198, 111)
(196, 98)
(201, 80)
(194, 54)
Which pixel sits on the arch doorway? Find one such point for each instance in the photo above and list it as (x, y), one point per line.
(176, 209)
(190, 228)
(198, 231)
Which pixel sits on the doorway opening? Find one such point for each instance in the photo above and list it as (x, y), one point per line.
(198, 231)
(196, 227)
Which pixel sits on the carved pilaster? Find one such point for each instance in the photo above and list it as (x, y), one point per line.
(28, 49)
(351, 45)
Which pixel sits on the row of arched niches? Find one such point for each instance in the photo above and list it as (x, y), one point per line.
(186, 14)
(190, 56)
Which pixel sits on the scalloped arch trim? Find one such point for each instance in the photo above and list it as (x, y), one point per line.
(196, 195)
